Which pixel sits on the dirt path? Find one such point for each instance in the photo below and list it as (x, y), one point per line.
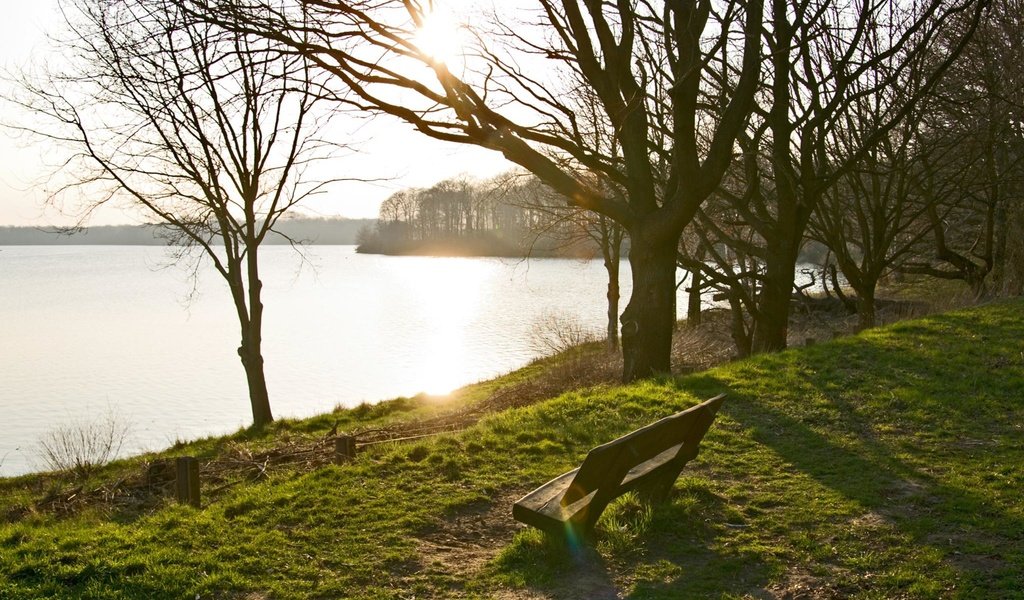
(464, 544)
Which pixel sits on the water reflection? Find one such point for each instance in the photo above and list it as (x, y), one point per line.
(450, 292)
(84, 328)
(87, 327)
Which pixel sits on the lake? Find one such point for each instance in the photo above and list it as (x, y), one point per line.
(91, 329)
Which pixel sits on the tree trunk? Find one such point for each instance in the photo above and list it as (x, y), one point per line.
(975, 278)
(866, 306)
(771, 323)
(610, 239)
(259, 399)
(649, 317)
(611, 265)
(740, 335)
(250, 319)
(999, 252)
(849, 305)
(693, 299)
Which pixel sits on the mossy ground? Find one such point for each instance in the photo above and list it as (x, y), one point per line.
(883, 465)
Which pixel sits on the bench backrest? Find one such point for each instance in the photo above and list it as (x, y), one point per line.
(607, 465)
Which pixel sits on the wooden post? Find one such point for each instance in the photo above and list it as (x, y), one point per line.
(344, 449)
(188, 480)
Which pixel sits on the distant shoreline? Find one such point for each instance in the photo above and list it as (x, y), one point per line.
(461, 249)
(327, 231)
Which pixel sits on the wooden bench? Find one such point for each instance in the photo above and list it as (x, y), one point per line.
(647, 460)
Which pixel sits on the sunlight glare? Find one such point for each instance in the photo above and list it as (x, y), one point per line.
(440, 37)
(449, 292)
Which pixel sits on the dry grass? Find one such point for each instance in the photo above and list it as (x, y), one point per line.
(555, 333)
(82, 447)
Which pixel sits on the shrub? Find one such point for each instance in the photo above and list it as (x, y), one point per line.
(84, 446)
(554, 333)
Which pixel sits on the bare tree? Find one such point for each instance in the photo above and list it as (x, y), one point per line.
(594, 130)
(875, 217)
(722, 254)
(647, 64)
(207, 131)
(825, 59)
(977, 186)
(573, 228)
(608, 235)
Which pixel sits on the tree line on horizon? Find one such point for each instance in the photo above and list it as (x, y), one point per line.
(308, 230)
(512, 214)
(717, 135)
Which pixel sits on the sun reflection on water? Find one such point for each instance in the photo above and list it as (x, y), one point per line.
(450, 295)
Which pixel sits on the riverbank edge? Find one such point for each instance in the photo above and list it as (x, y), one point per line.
(781, 408)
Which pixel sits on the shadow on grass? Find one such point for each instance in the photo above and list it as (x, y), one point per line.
(682, 552)
(543, 563)
(917, 485)
(72, 579)
(664, 551)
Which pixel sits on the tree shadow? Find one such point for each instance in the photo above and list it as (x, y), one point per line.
(685, 553)
(669, 550)
(836, 442)
(878, 425)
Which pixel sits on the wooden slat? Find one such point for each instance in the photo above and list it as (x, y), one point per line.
(596, 471)
(541, 507)
(607, 465)
(551, 490)
(647, 442)
(641, 471)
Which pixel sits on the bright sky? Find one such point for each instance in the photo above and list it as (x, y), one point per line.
(390, 149)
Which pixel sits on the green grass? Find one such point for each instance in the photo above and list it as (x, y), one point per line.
(883, 465)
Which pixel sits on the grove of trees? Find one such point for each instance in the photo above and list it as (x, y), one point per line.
(738, 115)
(513, 214)
(717, 135)
(508, 215)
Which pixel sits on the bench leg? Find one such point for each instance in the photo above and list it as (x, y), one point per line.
(581, 529)
(657, 489)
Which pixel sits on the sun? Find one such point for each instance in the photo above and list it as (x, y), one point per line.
(440, 37)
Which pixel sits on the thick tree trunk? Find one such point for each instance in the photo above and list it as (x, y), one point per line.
(649, 317)
(866, 306)
(771, 324)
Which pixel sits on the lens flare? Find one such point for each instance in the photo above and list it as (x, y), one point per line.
(440, 37)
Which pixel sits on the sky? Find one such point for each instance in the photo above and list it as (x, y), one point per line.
(388, 149)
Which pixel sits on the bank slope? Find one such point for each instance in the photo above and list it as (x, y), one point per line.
(883, 465)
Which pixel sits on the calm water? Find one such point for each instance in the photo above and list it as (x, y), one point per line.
(86, 329)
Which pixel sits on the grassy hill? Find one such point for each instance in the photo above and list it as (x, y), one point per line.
(884, 465)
